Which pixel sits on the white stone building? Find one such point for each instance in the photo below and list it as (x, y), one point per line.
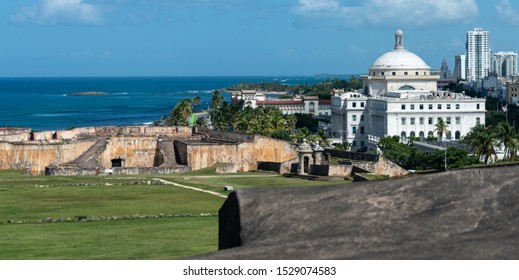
(400, 98)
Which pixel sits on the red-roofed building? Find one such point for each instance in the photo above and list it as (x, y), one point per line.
(300, 104)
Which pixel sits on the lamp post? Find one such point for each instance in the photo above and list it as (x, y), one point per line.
(445, 154)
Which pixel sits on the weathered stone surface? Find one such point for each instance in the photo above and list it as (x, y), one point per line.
(467, 214)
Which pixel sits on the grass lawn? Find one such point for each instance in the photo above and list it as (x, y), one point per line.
(29, 198)
(167, 238)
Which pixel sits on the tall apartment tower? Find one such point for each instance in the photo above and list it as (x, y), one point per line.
(479, 54)
(505, 64)
(460, 67)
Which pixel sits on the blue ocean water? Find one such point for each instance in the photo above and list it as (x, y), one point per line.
(46, 104)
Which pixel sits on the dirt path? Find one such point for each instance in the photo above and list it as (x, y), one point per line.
(191, 188)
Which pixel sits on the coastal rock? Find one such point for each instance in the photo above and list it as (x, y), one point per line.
(465, 214)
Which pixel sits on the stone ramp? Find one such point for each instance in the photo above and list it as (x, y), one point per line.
(465, 214)
(89, 159)
(167, 149)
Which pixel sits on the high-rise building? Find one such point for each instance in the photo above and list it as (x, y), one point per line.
(460, 67)
(479, 54)
(505, 64)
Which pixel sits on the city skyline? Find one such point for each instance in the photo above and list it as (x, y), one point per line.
(228, 37)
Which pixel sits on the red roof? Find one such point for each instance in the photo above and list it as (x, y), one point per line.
(280, 102)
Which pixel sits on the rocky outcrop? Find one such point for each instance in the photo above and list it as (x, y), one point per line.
(465, 214)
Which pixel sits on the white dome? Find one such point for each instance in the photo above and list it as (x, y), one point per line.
(399, 59)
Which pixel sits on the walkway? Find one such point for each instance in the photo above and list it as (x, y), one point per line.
(191, 188)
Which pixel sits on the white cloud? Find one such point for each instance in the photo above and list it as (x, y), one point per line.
(60, 12)
(388, 12)
(507, 12)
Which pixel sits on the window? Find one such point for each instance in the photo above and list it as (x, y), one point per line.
(478, 120)
(362, 104)
(394, 73)
(412, 120)
(412, 106)
(361, 118)
(362, 143)
(439, 106)
(448, 120)
(416, 73)
(421, 120)
(361, 130)
(354, 143)
(430, 106)
(457, 106)
(430, 120)
(354, 130)
(382, 73)
(354, 118)
(448, 106)
(458, 120)
(439, 120)
(421, 106)
(405, 73)
(403, 121)
(477, 106)
(403, 106)
(354, 104)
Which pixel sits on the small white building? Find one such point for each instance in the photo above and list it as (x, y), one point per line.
(400, 98)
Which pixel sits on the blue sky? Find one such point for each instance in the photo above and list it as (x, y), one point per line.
(237, 37)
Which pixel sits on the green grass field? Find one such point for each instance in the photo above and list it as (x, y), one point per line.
(26, 199)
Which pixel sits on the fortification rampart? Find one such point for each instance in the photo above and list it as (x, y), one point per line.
(33, 157)
(136, 149)
(133, 151)
(245, 155)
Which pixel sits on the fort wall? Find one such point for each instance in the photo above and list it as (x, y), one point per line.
(135, 151)
(245, 155)
(34, 156)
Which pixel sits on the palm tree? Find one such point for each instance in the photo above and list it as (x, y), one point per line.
(508, 138)
(482, 140)
(441, 128)
(216, 99)
(180, 113)
(302, 133)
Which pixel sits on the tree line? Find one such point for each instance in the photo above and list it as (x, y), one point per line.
(321, 89)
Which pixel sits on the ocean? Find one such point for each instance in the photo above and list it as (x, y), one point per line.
(47, 103)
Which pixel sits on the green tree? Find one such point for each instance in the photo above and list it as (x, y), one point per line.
(442, 128)
(179, 114)
(216, 99)
(507, 137)
(482, 140)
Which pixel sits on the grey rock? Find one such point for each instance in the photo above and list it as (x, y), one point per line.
(466, 214)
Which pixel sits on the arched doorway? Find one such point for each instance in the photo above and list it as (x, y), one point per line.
(403, 136)
(457, 135)
(311, 108)
(306, 164)
(421, 135)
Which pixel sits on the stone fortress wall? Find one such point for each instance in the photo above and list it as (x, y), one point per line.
(134, 150)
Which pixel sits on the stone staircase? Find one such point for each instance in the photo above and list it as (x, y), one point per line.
(89, 158)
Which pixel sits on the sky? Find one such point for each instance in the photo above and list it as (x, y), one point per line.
(58, 38)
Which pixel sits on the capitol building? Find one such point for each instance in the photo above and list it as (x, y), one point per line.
(400, 97)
